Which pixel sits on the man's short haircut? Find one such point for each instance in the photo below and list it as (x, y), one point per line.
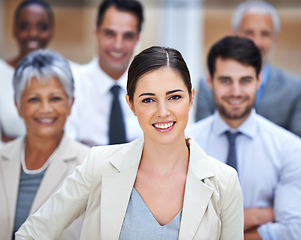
(255, 6)
(240, 49)
(131, 6)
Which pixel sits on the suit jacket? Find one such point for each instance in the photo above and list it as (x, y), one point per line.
(69, 155)
(212, 208)
(280, 101)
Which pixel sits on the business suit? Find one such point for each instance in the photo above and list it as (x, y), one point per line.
(280, 101)
(212, 207)
(69, 155)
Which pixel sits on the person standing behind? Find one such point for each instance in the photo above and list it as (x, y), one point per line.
(279, 96)
(34, 166)
(33, 29)
(266, 156)
(100, 114)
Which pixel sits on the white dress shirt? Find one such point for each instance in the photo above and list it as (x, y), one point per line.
(11, 124)
(89, 119)
(268, 165)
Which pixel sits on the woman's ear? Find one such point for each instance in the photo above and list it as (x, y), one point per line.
(18, 109)
(192, 97)
(130, 103)
(70, 106)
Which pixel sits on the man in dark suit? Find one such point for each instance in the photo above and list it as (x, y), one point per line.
(279, 97)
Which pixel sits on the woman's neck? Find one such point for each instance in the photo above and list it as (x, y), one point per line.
(14, 61)
(38, 150)
(165, 159)
(42, 145)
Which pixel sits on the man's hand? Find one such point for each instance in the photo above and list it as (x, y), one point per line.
(254, 217)
(252, 234)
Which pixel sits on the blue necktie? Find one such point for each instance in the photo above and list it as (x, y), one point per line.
(116, 128)
(231, 159)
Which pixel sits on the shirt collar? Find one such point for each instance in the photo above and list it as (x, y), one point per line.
(106, 82)
(248, 127)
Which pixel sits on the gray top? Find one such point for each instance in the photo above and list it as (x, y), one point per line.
(28, 187)
(139, 223)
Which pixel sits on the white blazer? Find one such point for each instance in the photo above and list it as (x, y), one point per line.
(69, 155)
(212, 208)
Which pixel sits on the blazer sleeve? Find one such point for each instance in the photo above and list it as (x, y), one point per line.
(62, 208)
(232, 212)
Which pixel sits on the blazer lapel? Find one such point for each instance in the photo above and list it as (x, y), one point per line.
(55, 174)
(197, 193)
(116, 189)
(10, 176)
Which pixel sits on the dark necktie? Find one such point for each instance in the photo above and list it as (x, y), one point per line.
(116, 128)
(231, 159)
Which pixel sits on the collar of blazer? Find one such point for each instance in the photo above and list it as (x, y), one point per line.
(12, 150)
(198, 191)
(117, 187)
(10, 166)
(199, 162)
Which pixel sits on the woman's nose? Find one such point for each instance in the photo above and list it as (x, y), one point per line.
(46, 106)
(33, 32)
(162, 110)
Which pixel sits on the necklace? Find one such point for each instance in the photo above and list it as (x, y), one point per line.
(36, 171)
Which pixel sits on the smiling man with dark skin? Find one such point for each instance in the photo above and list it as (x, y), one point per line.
(117, 32)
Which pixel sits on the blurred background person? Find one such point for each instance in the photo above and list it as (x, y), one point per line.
(32, 167)
(100, 115)
(279, 96)
(33, 29)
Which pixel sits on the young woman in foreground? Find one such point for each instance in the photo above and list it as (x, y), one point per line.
(162, 186)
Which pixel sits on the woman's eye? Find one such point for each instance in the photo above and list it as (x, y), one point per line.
(33, 99)
(56, 99)
(175, 97)
(147, 100)
(23, 26)
(43, 27)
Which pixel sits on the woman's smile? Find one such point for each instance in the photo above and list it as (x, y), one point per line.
(164, 126)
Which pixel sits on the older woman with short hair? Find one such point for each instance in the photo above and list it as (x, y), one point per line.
(34, 166)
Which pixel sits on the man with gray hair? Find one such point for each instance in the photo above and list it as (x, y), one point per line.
(279, 96)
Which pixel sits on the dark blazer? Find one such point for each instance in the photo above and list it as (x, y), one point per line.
(280, 101)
